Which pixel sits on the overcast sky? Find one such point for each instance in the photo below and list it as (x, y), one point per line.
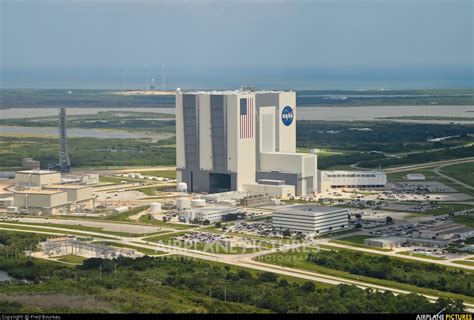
(281, 34)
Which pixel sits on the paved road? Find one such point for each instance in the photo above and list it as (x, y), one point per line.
(428, 165)
(438, 172)
(245, 260)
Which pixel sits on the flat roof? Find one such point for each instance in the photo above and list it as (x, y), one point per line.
(352, 172)
(307, 208)
(37, 191)
(37, 172)
(65, 186)
(232, 92)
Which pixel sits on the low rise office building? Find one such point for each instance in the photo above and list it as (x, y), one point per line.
(310, 219)
(329, 180)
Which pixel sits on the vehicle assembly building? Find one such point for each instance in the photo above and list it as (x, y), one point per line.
(241, 141)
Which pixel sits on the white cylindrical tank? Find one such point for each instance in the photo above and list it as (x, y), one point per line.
(198, 203)
(183, 204)
(182, 186)
(155, 207)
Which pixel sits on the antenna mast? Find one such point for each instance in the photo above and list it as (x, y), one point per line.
(64, 163)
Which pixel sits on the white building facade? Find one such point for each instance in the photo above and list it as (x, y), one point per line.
(212, 215)
(227, 140)
(310, 219)
(351, 179)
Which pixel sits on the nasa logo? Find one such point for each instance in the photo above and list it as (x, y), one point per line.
(287, 116)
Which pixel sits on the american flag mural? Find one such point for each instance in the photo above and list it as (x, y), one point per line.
(246, 118)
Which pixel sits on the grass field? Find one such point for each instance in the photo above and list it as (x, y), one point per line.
(358, 241)
(466, 220)
(47, 230)
(150, 220)
(297, 260)
(448, 208)
(146, 251)
(83, 228)
(463, 172)
(160, 173)
(419, 255)
(125, 215)
(464, 262)
(71, 258)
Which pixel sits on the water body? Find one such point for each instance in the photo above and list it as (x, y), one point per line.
(16, 113)
(5, 276)
(342, 113)
(84, 133)
(369, 113)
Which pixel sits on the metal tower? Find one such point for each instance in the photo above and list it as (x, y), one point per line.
(64, 163)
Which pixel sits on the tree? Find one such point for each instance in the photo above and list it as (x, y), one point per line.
(206, 222)
(218, 225)
(358, 215)
(267, 277)
(358, 225)
(389, 220)
(308, 287)
(287, 233)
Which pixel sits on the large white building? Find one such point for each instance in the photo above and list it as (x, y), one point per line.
(351, 179)
(37, 177)
(232, 140)
(310, 219)
(211, 214)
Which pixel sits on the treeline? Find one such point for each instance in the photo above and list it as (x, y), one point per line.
(420, 157)
(180, 284)
(85, 152)
(426, 275)
(384, 136)
(270, 292)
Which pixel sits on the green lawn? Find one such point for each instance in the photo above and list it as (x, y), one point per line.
(464, 262)
(160, 173)
(463, 172)
(466, 220)
(146, 251)
(358, 241)
(117, 180)
(47, 230)
(83, 228)
(150, 220)
(448, 208)
(71, 258)
(419, 255)
(125, 215)
(298, 260)
(151, 191)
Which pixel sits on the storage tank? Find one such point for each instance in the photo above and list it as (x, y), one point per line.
(198, 203)
(182, 187)
(183, 204)
(155, 207)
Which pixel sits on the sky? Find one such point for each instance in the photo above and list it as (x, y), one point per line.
(315, 42)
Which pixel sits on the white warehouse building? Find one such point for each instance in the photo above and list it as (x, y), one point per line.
(233, 140)
(37, 177)
(351, 179)
(213, 215)
(310, 219)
